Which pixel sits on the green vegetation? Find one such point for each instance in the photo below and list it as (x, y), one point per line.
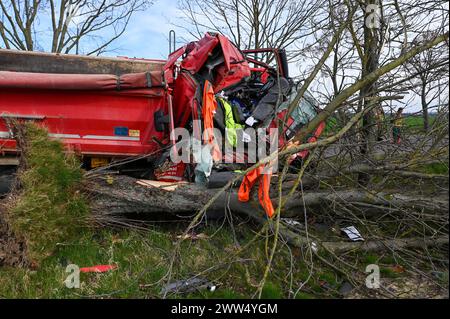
(415, 122)
(143, 260)
(49, 207)
(434, 168)
(412, 123)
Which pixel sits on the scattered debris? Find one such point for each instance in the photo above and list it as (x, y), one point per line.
(291, 222)
(167, 186)
(352, 233)
(189, 285)
(98, 268)
(193, 236)
(345, 289)
(416, 287)
(398, 269)
(325, 285)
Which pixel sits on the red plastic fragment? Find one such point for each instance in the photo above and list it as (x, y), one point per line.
(98, 268)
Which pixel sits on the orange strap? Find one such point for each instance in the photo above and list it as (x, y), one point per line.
(249, 181)
(263, 194)
(208, 110)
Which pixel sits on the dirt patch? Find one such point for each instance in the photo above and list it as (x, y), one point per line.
(12, 249)
(411, 287)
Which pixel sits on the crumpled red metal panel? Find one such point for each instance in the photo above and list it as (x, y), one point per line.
(232, 71)
(184, 98)
(198, 53)
(235, 67)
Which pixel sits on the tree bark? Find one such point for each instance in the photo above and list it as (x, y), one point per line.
(369, 63)
(426, 121)
(125, 195)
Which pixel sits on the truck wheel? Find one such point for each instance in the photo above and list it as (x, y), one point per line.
(7, 175)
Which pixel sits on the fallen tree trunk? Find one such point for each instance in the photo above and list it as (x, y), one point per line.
(128, 195)
(125, 195)
(299, 240)
(390, 244)
(381, 199)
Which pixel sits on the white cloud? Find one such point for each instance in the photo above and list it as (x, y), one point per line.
(147, 32)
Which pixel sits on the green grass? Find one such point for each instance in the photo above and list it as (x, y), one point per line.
(416, 121)
(49, 207)
(143, 259)
(271, 291)
(434, 168)
(412, 123)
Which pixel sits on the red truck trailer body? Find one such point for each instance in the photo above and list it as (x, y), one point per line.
(97, 113)
(91, 121)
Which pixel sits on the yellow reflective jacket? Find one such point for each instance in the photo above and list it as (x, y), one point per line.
(230, 123)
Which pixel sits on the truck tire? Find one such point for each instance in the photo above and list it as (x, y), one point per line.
(7, 176)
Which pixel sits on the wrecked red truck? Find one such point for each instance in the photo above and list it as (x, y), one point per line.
(110, 109)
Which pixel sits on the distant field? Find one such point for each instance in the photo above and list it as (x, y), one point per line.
(412, 122)
(416, 121)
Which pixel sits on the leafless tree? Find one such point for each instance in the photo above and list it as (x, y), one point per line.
(253, 24)
(429, 68)
(65, 26)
